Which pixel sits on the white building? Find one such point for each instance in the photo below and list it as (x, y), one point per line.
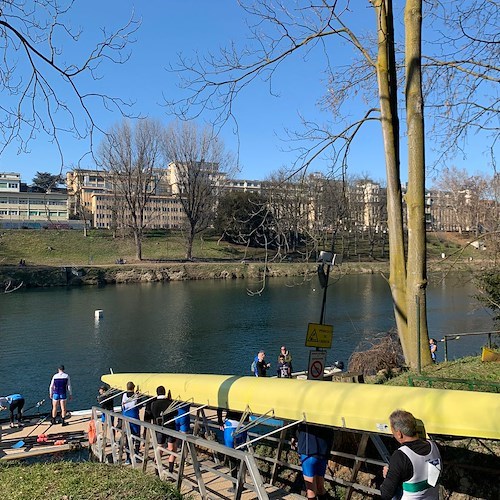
(29, 206)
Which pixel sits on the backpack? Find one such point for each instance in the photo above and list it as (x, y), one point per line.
(253, 367)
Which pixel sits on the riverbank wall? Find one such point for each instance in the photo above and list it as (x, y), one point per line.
(46, 276)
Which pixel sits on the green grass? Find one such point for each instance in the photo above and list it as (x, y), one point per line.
(451, 244)
(468, 368)
(82, 481)
(70, 247)
(63, 247)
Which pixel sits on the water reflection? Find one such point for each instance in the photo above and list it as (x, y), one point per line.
(204, 327)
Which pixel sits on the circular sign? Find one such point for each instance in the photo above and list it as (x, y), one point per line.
(316, 369)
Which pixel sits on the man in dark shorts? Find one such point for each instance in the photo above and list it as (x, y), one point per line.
(163, 417)
(12, 403)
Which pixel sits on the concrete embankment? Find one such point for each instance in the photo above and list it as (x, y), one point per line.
(46, 276)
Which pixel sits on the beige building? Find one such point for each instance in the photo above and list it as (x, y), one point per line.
(92, 195)
(31, 207)
(162, 212)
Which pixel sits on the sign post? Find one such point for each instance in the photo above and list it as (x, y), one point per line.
(316, 367)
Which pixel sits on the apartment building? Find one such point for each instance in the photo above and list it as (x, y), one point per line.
(23, 206)
(110, 212)
(94, 195)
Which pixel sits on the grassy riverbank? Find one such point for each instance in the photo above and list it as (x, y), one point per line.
(468, 368)
(82, 481)
(71, 248)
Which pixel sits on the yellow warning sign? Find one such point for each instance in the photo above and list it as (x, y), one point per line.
(319, 335)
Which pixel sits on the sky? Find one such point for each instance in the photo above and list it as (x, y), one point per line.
(171, 27)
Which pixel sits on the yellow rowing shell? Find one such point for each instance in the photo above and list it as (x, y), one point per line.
(363, 407)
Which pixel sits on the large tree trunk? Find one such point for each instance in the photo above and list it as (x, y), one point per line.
(387, 83)
(415, 198)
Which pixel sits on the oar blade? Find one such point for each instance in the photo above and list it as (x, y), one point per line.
(19, 444)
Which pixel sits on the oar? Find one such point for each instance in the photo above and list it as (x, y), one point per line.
(21, 443)
(37, 406)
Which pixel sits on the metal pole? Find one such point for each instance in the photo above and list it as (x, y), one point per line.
(446, 347)
(321, 319)
(419, 356)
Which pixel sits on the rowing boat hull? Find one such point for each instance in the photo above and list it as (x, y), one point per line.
(363, 407)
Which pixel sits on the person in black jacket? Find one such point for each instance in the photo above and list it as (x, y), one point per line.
(262, 366)
(161, 416)
(415, 467)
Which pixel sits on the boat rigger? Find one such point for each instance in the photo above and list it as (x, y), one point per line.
(363, 407)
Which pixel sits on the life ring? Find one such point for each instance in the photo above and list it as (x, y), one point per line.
(92, 432)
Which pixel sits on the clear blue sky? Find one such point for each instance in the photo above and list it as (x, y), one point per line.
(174, 26)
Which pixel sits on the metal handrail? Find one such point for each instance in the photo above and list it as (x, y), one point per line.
(115, 438)
(457, 336)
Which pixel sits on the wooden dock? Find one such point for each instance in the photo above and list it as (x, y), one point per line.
(74, 436)
(58, 438)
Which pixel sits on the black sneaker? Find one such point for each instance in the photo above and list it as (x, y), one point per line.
(64, 423)
(53, 421)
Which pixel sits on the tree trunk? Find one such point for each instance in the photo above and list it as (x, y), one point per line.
(138, 245)
(189, 243)
(415, 198)
(387, 83)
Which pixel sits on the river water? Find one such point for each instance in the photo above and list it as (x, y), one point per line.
(203, 327)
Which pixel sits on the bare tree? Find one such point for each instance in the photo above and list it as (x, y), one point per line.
(465, 195)
(375, 78)
(461, 74)
(41, 92)
(288, 200)
(133, 156)
(199, 168)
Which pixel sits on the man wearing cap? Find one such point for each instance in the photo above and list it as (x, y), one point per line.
(59, 390)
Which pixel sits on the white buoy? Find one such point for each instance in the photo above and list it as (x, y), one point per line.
(98, 314)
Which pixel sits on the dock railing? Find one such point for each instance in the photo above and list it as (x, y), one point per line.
(115, 441)
(200, 461)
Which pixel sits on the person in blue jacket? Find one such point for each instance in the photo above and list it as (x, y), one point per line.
(228, 425)
(130, 408)
(12, 403)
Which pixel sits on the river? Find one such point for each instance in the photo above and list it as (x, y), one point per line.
(203, 327)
